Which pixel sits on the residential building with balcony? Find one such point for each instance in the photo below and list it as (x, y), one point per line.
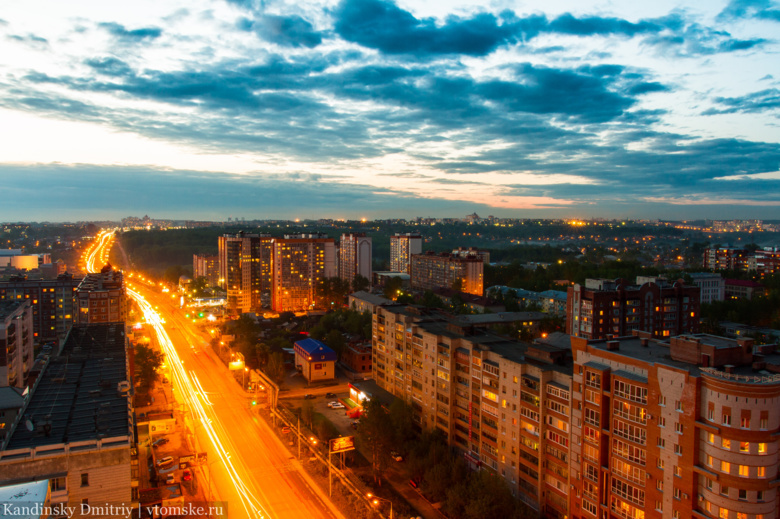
(402, 247)
(684, 427)
(16, 343)
(444, 270)
(613, 307)
(503, 404)
(727, 258)
(53, 303)
(244, 269)
(355, 256)
(299, 264)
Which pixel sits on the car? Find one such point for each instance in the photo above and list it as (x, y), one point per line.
(167, 460)
(336, 405)
(396, 456)
(160, 442)
(330, 395)
(169, 480)
(414, 483)
(187, 475)
(308, 396)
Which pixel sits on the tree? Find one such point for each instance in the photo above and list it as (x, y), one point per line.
(376, 433)
(307, 413)
(275, 367)
(392, 286)
(335, 341)
(148, 362)
(401, 415)
(457, 285)
(360, 283)
(199, 286)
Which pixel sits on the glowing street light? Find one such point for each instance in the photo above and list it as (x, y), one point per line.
(377, 499)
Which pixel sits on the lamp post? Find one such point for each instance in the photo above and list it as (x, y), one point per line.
(243, 377)
(376, 500)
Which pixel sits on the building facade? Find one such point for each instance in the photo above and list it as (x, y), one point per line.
(101, 297)
(206, 266)
(355, 256)
(465, 252)
(503, 404)
(402, 247)
(299, 264)
(77, 429)
(244, 269)
(673, 429)
(53, 304)
(16, 343)
(743, 289)
(711, 285)
(444, 270)
(316, 361)
(727, 258)
(613, 307)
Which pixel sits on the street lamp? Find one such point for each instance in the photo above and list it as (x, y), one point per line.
(377, 499)
(243, 375)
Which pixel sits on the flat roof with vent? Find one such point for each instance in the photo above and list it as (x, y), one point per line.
(77, 398)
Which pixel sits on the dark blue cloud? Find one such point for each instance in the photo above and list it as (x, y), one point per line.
(289, 31)
(380, 24)
(758, 9)
(685, 39)
(756, 102)
(134, 35)
(30, 39)
(595, 25)
(109, 66)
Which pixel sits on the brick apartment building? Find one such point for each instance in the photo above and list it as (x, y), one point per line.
(101, 297)
(743, 289)
(613, 307)
(503, 404)
(634, 427)
(686, 427)
(52, 300)
(402, 248)
(443, 270)
(727, 258)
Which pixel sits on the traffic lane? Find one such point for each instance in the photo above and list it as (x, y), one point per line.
(233, 414)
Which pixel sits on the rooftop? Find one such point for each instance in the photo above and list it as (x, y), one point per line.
(315, 348)
(77, 398)
(371, 298)
(9, 307)
(11, 398)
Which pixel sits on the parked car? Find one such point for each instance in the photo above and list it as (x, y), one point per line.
(160, 442)
(336, 405)
(169, 480)
(330, 395)
(308, 396)
(396, 456)
(167, 460)
(187, 475)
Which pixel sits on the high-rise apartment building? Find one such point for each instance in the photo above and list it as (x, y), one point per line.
(299, 263)
(712, 286)
(244, 269)
(53, 303)
(503, 404)
(402, 247)
(101, 297)
(16, 343)
(613, 307)
(206, 266)
(465, 252)
(355, 256)
(444, 270)
(682, 428)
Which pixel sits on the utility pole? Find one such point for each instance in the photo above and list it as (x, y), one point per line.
(299, 437)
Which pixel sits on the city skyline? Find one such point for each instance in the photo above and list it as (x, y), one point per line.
(372, 108)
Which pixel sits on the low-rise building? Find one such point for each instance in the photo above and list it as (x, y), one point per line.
(356, 358)
(316, 361)
(743, 289)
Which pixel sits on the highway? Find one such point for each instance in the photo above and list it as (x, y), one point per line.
(248, 466)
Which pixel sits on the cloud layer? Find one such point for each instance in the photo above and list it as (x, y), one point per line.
(516, 112)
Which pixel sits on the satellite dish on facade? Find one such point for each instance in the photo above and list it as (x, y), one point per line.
(30, 424)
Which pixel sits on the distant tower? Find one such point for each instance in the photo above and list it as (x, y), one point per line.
(402, 246)
(355, 256)
(300, 262)
(244, 269)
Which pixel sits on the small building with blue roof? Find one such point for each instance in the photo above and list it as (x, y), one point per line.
(315, 360)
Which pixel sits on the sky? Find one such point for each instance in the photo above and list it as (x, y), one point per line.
(250, 109)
